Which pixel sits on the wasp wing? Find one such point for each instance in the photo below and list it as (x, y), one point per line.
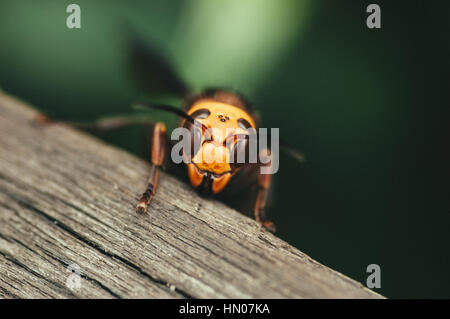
(292, 152)
(151, 68)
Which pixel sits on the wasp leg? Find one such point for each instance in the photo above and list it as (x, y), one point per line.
(158, 152)
(264, 181)
(102, 124)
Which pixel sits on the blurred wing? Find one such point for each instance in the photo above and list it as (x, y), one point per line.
(151, 68)
(292, 152)
(289, 149)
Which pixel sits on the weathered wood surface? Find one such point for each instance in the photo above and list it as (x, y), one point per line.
(66, 197)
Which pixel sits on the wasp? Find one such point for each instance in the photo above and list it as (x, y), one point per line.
(213, 117)
(219, 121)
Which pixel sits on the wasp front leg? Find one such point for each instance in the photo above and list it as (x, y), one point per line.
(264, 181)
(159, 145)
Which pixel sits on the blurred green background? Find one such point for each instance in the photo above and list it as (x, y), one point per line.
(369, 108)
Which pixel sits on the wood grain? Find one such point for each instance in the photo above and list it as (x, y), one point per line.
(68, 198)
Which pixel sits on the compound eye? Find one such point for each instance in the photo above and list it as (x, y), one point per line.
(240, 153)
(201, 114)
(196, 137)
(243, 124)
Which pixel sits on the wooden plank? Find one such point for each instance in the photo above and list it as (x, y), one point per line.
(68, 198)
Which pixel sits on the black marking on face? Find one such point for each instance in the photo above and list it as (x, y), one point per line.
(201, 114)
(240, 153)
(244, 124)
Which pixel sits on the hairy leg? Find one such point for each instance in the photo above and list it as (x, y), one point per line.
(264, 181)
(159, 147)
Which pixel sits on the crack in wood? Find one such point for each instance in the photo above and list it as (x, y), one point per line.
(100, 249)
(34, 273)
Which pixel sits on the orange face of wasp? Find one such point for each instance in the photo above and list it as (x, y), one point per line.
(210, 169)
